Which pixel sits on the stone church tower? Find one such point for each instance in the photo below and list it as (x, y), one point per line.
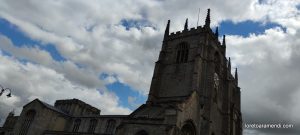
(192, 90)
(192, 93)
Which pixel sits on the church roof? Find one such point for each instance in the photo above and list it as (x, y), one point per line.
(151, 112)
(53, 108)
(47, 106)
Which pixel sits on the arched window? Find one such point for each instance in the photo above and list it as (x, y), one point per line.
(110, 126)
(142, 132)
(182, 53)
(76, 125)
(29, 116)
(93, 123)
(188, 129)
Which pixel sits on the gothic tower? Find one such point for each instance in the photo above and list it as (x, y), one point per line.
(192, 91)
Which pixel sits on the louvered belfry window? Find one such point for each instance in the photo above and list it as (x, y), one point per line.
(182, 53)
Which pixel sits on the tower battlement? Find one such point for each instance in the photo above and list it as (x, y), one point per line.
(204, 30)
(186, 32)
(192, 31)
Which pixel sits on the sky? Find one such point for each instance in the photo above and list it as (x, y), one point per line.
(103, 52)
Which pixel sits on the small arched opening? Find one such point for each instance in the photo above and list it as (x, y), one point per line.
(93, 123)
(188, 129)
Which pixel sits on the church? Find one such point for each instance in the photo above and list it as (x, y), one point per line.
(192, 93)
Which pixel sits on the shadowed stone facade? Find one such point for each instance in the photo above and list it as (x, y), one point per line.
(192, 93)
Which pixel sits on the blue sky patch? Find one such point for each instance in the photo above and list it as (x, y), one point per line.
(298, 6)
(19, 39)
(245, 28)
(103, 76)
(262, 1)
(14, 34)
(130, 23)
(53, 52)
(124, 92)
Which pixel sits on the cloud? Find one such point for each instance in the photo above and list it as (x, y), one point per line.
(91, 32)
(269, 76)
(29, 53)
(36, 55)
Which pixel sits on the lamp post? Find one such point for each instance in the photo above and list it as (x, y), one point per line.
(5, 89)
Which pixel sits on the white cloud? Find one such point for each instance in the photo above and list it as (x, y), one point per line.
(269, 76)
(90, 33)
(70, 70)
(29, 53)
